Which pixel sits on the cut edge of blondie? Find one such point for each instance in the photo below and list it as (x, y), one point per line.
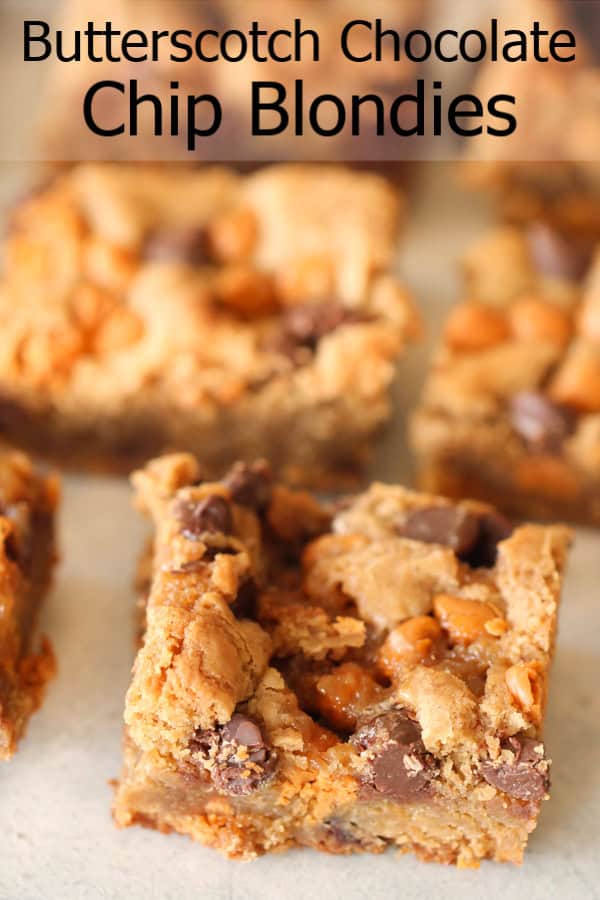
(27, 555)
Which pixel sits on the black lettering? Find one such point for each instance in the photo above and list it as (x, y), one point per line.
(511, 121)
(344, 38)
(132, 40)
(448, 32)
(275, 106)
(88, 111)
(313, 116)
(398, 112)
(178, 44)
(194, 131)
(135, 102)
(410, 39)
(29, 39)
(454, 113)
(379, 113)
(569, 44)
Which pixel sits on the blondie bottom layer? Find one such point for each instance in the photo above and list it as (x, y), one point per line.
(150, 308)
(511, 408)
(27, 553)
(348, 678)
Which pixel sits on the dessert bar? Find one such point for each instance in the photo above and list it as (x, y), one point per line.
(511, 407)
(27, 554)
(152, 308)
(348, 677)
(558, 126)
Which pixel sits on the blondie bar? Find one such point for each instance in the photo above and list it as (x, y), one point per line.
(548, 169)
(145, 309)
(511, 408)
(348, 677)
(27, 553)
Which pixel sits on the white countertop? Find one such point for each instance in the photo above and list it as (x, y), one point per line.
(57, 840)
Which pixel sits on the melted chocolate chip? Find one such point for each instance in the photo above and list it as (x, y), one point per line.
(453, 526)
(474, 536)
(493, 528)
(398, 765)
(250, 484)
(526, 775)
(544, 425)
(554, 256)
(241, 761)
(244, 605)
(184, 245)
(303, 326)
(211, 515)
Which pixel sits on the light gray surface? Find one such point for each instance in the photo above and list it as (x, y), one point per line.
(57, 840)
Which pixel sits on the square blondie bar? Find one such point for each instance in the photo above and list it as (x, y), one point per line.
(511, 408)
(347, 677)
(145, 309)
(27, 554)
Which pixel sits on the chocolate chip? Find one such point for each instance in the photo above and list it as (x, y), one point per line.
(544, 425)
(526, 775)
(554, 256)
(303, 326)
(250, 484)
(398, 765)
(244, 605)
(339, 835)
(184, 245)
(210, 515)
(240, 760)
(473, 536)
(453, 526)
(493, 528)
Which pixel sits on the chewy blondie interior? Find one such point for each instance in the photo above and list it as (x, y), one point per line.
(511, 408)
(348, 677)
(27, 553)
(150, 308)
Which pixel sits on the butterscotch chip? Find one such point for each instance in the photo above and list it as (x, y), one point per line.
(344, 693)
(464, 620)
(246, 291)
(331, 682)
(411, 642)
(577, 381)
(533, 319)
(234, 235)
(472, 327)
